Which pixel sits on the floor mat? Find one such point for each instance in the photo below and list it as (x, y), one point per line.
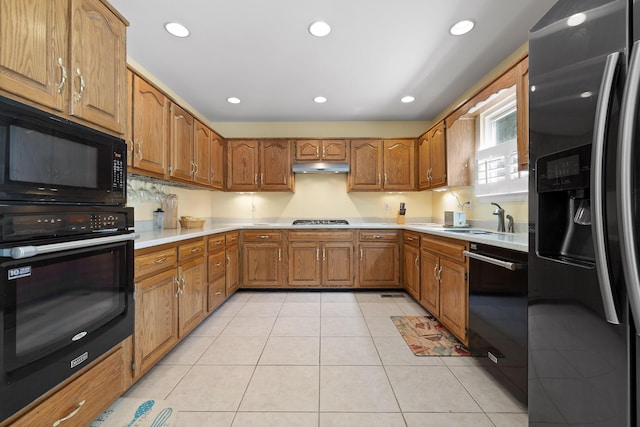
(132, 412)
(427, 337)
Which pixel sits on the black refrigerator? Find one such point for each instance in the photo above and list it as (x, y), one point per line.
(584, 287)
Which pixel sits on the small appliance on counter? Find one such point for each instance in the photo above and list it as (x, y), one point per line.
(455, 219)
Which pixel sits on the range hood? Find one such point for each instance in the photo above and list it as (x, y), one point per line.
(321, 167)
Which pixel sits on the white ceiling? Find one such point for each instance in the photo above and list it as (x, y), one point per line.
(377, 52)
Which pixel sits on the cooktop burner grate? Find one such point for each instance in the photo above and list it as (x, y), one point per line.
(320, 222)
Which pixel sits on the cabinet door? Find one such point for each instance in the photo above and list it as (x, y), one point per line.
(193, 295)
(242, 169)
(438, 156)
(337, 264)
(182, 126)
(129, 133)
(424, 163)
(98, 65)
(308, 149)
(262, 265)
(150, 127)
(399, 165)
(304, 264)
(275, 166)
(429, 283)
(522, 104)
(33, 51)
(378, 266)
(232, 272)
(454, 298)
(334, 149)
(156, 321)
(202, 154)
(366, 165)
(411, 256)
(217, 161)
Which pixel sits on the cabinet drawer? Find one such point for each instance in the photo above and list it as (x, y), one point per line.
(324, 236)
(217, 294)
(216, 242)
(231, 238)
(87, 396)
(155, 261)
(378, 235)
(216, 265)
(445, 247)
(412, 239)
(190, 250)
(262, 236)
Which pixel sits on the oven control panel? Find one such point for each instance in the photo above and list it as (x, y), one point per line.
(52, 224)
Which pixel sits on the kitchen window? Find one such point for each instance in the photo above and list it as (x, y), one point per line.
(497, 171)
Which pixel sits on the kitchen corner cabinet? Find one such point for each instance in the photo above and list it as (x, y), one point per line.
(217, 161)
(87, 395)
(66, 55)
(432, 160)
(182, 165)
(321, 149)
(148, 141)
(444, 288)
(321, 258)
(263, 259)
(382, 165)
(378, 262)
(411, 263)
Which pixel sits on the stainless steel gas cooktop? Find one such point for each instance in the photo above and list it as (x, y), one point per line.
(320, 222)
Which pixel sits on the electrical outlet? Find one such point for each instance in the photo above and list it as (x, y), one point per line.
(468, 204)
(386, 206)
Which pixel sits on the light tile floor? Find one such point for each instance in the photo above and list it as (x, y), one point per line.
(320, 359)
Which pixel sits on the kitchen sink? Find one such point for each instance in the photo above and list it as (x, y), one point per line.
(467, 231)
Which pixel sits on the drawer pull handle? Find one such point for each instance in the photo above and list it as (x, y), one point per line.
(194, 250)
(71, 415)
(377, 236)
(410, 239)
(263, 236)
(160, 260)
(218, 243)
(218, 293)
(219, 264)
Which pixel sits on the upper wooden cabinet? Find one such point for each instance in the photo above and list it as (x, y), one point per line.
(259, 165)
(432, 158)
(202, 154)
(321, 149)
(182, 166)
(217, 161)
(149, 133)
(382, 165)
(522, 101)
(66, 55)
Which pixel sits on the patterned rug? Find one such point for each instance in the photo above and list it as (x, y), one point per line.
(132, 412)
(427, 337)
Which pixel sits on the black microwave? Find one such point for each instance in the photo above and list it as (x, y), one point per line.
(49, 159)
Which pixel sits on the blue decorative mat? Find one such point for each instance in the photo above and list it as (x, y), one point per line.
(130, 412)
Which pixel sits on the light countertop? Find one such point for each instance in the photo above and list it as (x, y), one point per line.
(514, 241)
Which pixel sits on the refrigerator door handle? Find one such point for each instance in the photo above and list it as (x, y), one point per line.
(624, 183)
(597, 186)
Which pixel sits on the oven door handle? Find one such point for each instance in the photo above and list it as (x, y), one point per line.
(513, 266)
(20, 252)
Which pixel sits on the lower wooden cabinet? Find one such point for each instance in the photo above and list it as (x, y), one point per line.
(411, 266)
(79, 402)
(378, 262)
(232, 279)
(444, 289)
(192, 295)
(263, 259)
(320, 258)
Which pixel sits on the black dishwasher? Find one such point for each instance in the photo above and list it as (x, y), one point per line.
(498, 314)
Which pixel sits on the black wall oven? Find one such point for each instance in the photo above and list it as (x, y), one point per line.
(66, 277)
(49, 159)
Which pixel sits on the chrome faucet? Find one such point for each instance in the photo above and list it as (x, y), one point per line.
(500, 212)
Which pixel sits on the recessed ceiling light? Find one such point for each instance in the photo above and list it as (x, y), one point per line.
(176, 29)
(407, 99)
(319, 99)
(576, 19)
(319, 28)
(233, 100)
(462, 27)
